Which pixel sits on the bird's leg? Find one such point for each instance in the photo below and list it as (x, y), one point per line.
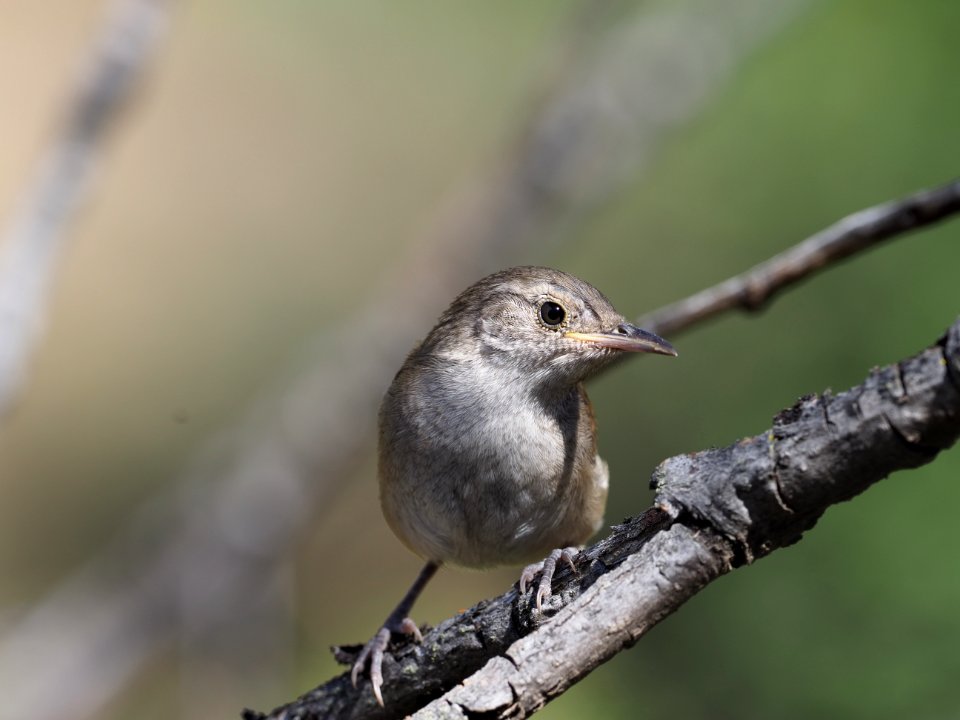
(397, 622)
(545, 569)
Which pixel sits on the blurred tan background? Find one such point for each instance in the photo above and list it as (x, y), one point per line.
(285, 167)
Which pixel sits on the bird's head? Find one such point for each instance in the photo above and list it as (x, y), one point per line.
(540, 323)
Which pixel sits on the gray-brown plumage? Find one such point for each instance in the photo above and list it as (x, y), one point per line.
(488, 452)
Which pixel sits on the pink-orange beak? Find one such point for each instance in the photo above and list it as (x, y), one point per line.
(628, 338)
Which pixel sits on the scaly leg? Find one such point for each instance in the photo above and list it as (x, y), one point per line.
(397, 622)
(545, 569)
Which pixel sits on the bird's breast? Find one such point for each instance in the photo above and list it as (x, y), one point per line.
(478, 471)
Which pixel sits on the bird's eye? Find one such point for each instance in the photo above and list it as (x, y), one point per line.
(552, 313)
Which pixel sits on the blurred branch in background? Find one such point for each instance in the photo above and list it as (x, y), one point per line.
(205, 563)
(901, 417)
(35, 235)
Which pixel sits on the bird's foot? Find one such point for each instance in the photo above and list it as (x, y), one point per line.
(372, 653)
(545, 569)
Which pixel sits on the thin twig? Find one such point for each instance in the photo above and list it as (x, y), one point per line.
(853, 234)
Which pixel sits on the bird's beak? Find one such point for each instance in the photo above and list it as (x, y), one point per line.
(628, 338)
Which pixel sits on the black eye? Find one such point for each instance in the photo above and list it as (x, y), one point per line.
(552, 314)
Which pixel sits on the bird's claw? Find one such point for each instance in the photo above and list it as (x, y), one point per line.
(545, 569)
(372, 654)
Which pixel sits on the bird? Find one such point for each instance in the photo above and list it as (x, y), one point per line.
(487, 440)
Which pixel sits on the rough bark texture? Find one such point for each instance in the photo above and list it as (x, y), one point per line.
(764, 492)
(607, 617)
(714, 510)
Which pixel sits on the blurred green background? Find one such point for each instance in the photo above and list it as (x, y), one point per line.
(281, 161)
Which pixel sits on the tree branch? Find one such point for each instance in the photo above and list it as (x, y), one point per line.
(714, 510)
(855, 233)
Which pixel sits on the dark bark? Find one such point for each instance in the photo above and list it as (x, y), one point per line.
(714, 510)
